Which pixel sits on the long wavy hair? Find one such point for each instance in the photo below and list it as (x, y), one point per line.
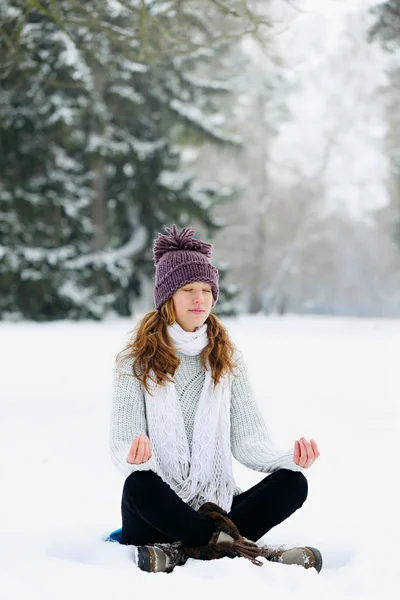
(152, 349)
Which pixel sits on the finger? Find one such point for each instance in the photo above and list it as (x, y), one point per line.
(140, 452)
(310, 452)
(133, 450)
(296, 455)
(145, 448)
(315, 448)
(148, 449)
(303, 454)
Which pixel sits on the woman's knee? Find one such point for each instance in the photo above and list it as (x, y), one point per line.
(298, 484)
(139, 482)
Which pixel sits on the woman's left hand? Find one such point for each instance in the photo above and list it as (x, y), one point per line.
(305, 452)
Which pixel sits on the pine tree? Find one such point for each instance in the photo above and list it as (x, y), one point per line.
(226, 306)
(44, 202)
(90, 166)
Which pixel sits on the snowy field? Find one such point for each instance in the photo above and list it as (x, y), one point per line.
(336, 380)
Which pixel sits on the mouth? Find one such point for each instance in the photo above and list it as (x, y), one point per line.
(197, 312)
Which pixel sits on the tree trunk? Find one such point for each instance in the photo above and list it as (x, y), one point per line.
(99, 200)
(99, 210)
(260, 234)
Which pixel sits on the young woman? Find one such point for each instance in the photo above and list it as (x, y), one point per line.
(182, 406)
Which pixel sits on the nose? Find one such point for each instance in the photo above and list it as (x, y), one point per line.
(198, 299)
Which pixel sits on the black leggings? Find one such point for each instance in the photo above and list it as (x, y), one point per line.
(152, 512)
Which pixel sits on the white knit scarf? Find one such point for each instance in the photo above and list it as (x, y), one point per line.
(205, 475)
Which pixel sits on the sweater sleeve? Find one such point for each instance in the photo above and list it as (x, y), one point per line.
(128, 418)
(250, 441)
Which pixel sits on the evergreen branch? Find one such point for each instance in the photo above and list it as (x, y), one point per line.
(194, 18)
(162, 13)
(16, 47)
(208, 85)
(386, 26)
(143, 30)
(394, 11)
(170, 38)
(7, 66)
(92, 17)
(178, 108)
(54, 4)
(44, 11)
(84, 9)
(178, 48)
(156, 41)
(226, 9)
(7, 40)
(62, 84)
(256, 20)
(94, 22)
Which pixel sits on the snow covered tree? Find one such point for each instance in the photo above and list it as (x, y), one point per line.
(148, 31)
(228, 293)
(90, 159)
(44, 188)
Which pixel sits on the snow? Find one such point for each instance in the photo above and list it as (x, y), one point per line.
(195, 116)
(127, 93)
(118, 141)
(115, 8)
(133, 246)
(332, 379)
(131, 66)
(144, 149)
(174, 180)
(11, 12)
(72, 57)
(79, 295)
(161, 8)
(207, 84)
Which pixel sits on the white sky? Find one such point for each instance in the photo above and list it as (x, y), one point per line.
(336, 106)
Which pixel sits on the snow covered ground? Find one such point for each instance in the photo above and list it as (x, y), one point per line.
(336, 380)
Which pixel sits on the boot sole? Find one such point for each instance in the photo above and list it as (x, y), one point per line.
(143, 559)
(152, 560)
(318, 558)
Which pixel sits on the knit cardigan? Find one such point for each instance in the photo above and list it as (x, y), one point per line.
(251, 444)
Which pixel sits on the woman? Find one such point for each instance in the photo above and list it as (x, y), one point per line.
(182, 406)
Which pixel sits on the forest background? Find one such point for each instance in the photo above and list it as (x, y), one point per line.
(272, 127)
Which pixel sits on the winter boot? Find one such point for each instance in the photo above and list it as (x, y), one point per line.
(226, 541)
(159, 558)
(307, 557)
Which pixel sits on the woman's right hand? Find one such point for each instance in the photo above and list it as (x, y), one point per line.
(140, 451)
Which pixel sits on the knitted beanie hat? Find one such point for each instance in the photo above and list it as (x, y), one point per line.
(181, 259)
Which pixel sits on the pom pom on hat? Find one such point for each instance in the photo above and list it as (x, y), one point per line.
(179, 241)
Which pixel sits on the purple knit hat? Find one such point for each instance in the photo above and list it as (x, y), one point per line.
(181, 259)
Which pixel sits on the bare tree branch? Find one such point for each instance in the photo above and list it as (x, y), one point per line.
(226, 9)
(150, 35)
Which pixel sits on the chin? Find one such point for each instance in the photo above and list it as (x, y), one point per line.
(198, 319)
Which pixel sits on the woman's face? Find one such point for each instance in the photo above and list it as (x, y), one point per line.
(193, 303)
